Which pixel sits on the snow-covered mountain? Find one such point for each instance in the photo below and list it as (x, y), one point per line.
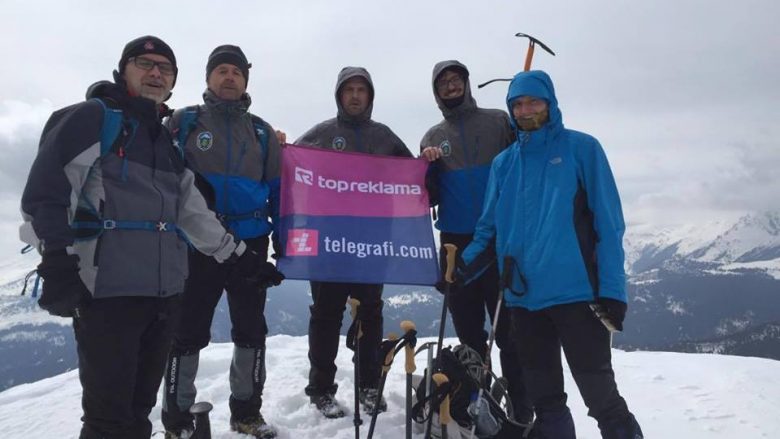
(750, 244)
(691, 396)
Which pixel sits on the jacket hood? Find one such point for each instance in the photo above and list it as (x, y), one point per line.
(538, 84)
(345, 75)
(468, 103)
(219, 105)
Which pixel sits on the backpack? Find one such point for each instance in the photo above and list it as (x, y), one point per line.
(189, 120)
(464, 370)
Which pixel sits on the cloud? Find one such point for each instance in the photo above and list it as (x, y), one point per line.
(20, 129)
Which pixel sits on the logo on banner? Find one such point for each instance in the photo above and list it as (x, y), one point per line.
(446, 148)
(304, 176)
(302, 242)
(339, 143)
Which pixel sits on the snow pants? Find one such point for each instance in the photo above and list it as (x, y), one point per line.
(539, 336)
(203, 290)
(467, 306)
(122, 346)
(327, 312)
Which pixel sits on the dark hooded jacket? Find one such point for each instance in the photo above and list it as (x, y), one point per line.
(355, 133)
(470, 137)
(140, 181)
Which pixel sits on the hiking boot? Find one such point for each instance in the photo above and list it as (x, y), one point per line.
(368, 399)
(328, 406)
(184, 433)
(254, 426)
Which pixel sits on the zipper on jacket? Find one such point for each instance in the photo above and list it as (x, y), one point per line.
(225, 184)
(521, 260)
(359, 139)
(126, 146)
(160, 217)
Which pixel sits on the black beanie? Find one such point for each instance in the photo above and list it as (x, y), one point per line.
(147, 44)
(228, 54)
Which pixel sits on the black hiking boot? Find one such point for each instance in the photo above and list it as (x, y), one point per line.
(254, 426)
(368, 399)
(328, 406)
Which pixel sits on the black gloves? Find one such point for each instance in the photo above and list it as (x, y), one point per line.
(256, 270)
(615, 311)
(63, 293)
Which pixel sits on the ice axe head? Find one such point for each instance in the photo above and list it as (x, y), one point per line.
(529, 55)
(532, 42)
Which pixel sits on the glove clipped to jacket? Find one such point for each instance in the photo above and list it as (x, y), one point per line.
(615, 311)
(63, 293)
(256, 270)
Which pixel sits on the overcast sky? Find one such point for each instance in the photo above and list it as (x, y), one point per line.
(683, 95)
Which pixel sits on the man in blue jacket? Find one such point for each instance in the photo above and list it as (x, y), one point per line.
(235, 155)
(553, 213)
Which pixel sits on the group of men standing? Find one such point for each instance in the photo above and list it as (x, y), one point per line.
(142, 225)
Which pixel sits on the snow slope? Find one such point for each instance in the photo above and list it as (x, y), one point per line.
(691, 396)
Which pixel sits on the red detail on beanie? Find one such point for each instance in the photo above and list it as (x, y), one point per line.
(149, 45)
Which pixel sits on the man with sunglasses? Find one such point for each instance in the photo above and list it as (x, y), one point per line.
(236, 156)
(460, 149)
(552, 214)
(112, 209)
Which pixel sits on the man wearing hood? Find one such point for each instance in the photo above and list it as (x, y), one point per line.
(552, 214)
(112, 209)
(236, 156)
(351, 130)
(460, 149)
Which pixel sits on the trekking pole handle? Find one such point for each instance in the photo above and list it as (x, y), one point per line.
(406, 326)
(444, 408)
(390, 355)
(354, 305)
(452, 251)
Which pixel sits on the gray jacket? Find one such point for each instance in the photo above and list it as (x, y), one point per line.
(140, 181)
(355, 134)
(470, 137)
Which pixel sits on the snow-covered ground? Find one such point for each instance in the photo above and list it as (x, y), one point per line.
(690, 396)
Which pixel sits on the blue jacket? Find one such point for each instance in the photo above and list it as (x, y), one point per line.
(553, 207)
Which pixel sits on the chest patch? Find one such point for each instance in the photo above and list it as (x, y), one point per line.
(339, 143)
(446, 148)
(205, 140)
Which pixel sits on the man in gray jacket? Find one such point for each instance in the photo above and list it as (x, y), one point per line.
(351, 130)
(236, 156)
(461, 148)
(112, 209)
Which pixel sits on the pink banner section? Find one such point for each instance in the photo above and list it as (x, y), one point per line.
(331, 183)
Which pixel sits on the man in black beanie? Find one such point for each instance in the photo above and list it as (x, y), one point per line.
(111, 208)
(237, 155)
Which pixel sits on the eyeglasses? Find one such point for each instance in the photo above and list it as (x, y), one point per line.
(444, 84)
(164, 67)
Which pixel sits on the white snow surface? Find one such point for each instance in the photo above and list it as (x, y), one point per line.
(691, 396)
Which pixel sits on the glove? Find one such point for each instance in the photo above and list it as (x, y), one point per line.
(615, 309)
(63, 293)
(256, 270)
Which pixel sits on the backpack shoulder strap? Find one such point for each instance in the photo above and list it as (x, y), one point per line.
(112, 125)
(188, 121)
(261, 131)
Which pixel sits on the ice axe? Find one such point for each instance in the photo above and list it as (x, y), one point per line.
(529, 56)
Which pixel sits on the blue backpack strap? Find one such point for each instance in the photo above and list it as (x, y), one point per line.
(188, 121)
(261, 132)
(112, 125)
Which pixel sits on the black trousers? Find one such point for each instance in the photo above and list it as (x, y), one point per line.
(122, 346)
(327, 312)
(586, 343)
(467, 305)
(204, 287)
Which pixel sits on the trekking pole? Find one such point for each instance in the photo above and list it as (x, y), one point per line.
(355, 305)
(448, 280)
(202, 424)
(388, 361)
(408, 326)
(444, 408)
